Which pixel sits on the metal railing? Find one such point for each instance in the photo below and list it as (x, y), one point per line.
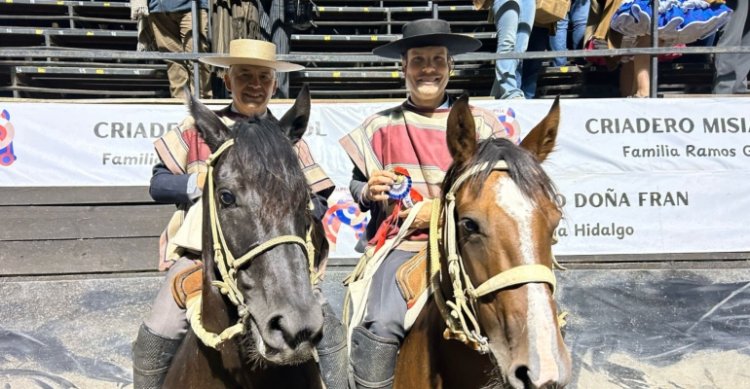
(654, 51)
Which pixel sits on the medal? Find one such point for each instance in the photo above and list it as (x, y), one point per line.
(401, 186)
(404, 196)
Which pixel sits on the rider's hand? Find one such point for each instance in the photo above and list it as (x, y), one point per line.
(422, 220)
(138, 11)
(378, 185)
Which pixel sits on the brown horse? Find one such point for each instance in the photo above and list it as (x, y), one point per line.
(258, 320)
(501, 230)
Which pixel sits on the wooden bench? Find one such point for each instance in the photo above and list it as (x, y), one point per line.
(74, 230)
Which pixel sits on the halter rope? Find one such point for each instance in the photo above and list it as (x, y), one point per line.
(460, 313)
(228, 266)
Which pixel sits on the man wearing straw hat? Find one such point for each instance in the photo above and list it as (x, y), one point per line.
(178, 179)
(406, 143)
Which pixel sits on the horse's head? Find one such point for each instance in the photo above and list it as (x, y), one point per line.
(505, 216)
(256, 220)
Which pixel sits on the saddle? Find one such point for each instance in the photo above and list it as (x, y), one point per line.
(412, 277)
(187, 284)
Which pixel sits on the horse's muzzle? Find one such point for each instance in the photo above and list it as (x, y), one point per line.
(288, 339)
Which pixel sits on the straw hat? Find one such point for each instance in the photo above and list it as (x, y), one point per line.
(251, 52)
(428, 32)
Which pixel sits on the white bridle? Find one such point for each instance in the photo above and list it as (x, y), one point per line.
(460, 313)
(228, 266)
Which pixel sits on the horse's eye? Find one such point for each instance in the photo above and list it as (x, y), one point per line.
(469, 226)
(226, 197)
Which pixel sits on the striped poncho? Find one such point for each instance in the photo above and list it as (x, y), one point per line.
(415, 139)
(183, 151)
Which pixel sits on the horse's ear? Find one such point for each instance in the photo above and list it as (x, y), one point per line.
(461, 133)
(541, 140)
(294, 122)
(211, 128)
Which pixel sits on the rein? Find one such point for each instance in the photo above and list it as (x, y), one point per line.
(228, 266)
(459, 314)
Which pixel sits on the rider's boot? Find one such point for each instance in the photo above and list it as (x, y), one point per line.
(372, 360)
(332, 351)
(152, 356)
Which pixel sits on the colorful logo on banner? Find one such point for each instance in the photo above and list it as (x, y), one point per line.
(7, 133)
(507, 117)
(344, 212)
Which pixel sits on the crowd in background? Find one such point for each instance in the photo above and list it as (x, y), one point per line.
(609, 24)
(521, 25)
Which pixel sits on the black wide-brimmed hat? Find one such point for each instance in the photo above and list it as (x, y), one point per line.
(428, 32)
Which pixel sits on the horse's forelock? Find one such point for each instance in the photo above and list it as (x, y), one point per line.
(260, 143)
(523, 169)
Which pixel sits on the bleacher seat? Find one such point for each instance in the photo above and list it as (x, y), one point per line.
(342, 28)
(357, 27)
(64, 25)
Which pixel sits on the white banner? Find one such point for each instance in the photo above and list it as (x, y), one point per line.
(636, 175)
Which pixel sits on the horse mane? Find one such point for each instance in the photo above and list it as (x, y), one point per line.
(523, 169)
(275, 166)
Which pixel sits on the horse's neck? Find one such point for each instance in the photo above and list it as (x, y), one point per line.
(198, 366)
(428, 360)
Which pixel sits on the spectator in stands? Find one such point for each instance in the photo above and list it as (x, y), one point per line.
(179, 179)
(257, 19)
(539, 40)
(598, 35)
(732, 68)
(172, 24)
(575, 23)
(635, 72)
(408, 139)
(139, 13)
(543, 36)
(679, 22)
(514, 20)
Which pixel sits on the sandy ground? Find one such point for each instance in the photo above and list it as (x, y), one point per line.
(704, 370)
(626, 329)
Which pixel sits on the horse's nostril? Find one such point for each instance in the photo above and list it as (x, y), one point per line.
(274, 324)
(522, 373)
(305, 335)
(293, 334)
(525, 382)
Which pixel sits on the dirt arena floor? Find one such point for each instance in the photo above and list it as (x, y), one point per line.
(626, 328)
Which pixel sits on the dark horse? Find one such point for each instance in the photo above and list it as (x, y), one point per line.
(256, 209)
(498, 227)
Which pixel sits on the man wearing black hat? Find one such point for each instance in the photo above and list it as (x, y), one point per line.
(400, 157)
